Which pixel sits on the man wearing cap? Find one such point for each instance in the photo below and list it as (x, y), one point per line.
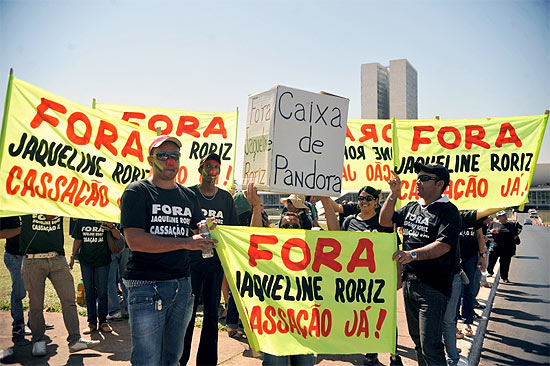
(297, 203)
(504, 234)
(207, 273)
(159, 218)
(41, 243)
(431, 228)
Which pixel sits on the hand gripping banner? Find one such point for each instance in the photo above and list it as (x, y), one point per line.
(301, 292)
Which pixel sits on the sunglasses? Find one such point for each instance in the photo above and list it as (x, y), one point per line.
(165, 155)
(368, 198)
(425, 178)
(290, 226)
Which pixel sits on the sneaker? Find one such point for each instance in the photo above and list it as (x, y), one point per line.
(25, 331)
(370, 359)
(105, 328)
(39, 349)
(115, 316)
(89, 329)
(506, 281)
(82, 344)
(396, 361)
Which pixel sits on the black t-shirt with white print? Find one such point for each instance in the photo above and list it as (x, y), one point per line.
(222, 208)
(162, 212)
(94, 250)
(423, 225)
(354, 223)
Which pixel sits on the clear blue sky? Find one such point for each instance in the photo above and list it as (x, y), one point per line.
(474, 58)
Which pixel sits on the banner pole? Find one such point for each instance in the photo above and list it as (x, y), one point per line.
(93, 103)
(6, 113)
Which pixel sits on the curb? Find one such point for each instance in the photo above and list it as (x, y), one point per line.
(477, 344)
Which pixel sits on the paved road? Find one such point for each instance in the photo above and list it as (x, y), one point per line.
(518, 332)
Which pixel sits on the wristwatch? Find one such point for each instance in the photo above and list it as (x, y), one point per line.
(483, 255)
(413, 255)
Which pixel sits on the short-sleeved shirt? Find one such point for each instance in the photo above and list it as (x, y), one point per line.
(161, 212)
(12, 244)
(39, 234)
(423, 225)
(354, 223)
(505, 238)
(222, 208)
(94, 250)
(469, 246)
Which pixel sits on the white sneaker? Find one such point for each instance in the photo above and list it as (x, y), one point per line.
(39, 349)
(115, 316)
(82, 344)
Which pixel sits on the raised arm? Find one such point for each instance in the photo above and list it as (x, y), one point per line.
(386, 213)
(330, 216)
(251, 195)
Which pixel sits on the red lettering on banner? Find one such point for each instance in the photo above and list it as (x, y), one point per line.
(188, 125)
(216, 127)
(133, 138)
(106, 139)
(476, 139)
(161, 117)
(327, 258)
(512, 139)
(41, 116)
(417, 139)
(253, 251)
(285, 254)
(385, 130)
(15, 172)
(349, 135)
(369, 133)
(306, 323)
(137, 115)
(364, 245)
(449, 145)
(71, 134)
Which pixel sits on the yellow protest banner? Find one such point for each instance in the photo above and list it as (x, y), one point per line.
(301, 292)
(491, 160)
(201, 133)
(368, 156)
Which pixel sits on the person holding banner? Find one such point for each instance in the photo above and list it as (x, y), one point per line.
(431, 228)
(157, 217)
(289, 220)
(207, 273)
(41, 243)
(367, 220)
(297, 203)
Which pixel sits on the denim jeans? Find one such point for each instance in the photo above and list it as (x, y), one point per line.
(425, 307)
(116, 270)
(449, 322)
(13, 263)
(470, 267)
(35, 272)
(294, 360)
(477, 284)
(95, 285)
(206, 278)
(157, 331)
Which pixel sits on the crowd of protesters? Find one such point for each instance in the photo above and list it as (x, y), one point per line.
(155, 267)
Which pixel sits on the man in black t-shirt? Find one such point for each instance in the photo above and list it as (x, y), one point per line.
(207, 273)
(431, 228)
(504, 234)
(159, 219)
(41, 242)
(10, 228)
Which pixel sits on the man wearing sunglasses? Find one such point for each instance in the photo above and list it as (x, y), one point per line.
(159, 218)
(431, 228)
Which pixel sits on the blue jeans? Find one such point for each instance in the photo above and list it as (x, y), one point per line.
(95, 285)
(477, 284)
(449, 322)
(206, 278)
(13, 263)
(157, 332)
(294, 360)
(470, 267)
(425, 307)
(116, 270)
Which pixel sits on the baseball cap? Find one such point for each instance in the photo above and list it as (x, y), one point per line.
(439, 170)
(209, 158)
(159, 140)
(501, 212)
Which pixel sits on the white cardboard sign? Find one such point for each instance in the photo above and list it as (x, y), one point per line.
(295, 141)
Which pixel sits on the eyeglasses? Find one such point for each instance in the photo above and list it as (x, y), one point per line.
(290, 226)
(425, 178)
(368, 198)
(165, 155)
